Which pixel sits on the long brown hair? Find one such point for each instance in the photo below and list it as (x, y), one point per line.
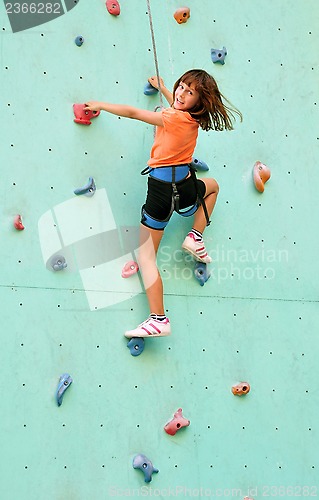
(211, 112)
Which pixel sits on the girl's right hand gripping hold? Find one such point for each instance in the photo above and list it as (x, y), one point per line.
(93, 106)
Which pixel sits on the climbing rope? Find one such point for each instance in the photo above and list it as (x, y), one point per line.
(154, 52)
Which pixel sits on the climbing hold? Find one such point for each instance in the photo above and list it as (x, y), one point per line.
(83, 116)
(176, 423)
(88, 190)
(129, 269)
(79, 41)
(145, 465)
(149, 89)
(199, 164)
(18, 223)
(64, 383)
(261, 175)
(240, 389)
(182, 15)
(136, 346)
(113, 7)
(58, 263)
(201, 272)
(218, 55)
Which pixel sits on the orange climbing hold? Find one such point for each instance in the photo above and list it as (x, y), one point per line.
(182, 15)
(18, 223)
(241, 389)
(113, 7)
(261, 175)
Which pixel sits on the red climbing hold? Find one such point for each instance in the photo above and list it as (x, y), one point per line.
(241, 389)
(83, 116)
(261, 175)
(18, 223)
(113, 7)
(130, 268)
(182, 15)
(176, 423)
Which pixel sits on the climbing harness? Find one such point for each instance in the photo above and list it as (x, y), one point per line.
(174, 174)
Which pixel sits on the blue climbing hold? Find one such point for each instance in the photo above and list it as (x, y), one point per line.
(58, 263)
(218, 55)
(199, 165)
(136, 346)
(149, 89)
(79, 41)
(145, 465)
(201, 273)
(64, 383)
(88, 190)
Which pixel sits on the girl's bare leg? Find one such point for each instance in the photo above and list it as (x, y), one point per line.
(210, 198)
(149, 243)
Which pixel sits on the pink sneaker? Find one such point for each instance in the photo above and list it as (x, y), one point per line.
(196, 249)
(151, 328)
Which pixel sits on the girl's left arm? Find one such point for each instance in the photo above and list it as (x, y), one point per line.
(151, 117)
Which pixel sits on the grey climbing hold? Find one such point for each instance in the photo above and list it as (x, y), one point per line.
(88, 190)
(58, 263)
(64, 383)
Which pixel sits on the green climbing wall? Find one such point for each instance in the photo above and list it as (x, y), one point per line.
(255, 320)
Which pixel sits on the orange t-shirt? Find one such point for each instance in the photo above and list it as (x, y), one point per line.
(175, 142)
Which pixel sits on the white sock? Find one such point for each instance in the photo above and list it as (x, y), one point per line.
(197, 235)
(158, 317)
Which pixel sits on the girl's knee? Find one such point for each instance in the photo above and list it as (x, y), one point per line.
(212, 187)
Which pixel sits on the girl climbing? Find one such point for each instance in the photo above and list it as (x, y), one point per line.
(172, 185)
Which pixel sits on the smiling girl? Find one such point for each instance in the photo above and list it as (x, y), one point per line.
(172, 185)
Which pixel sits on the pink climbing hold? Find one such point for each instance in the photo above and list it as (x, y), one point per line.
(182, 15)
(83, 116)
(261, 175)
(176, 423)
(129, 269)
(240, 389)
(18, 223)
(113, 7)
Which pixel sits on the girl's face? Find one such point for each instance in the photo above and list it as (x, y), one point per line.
(186, 97)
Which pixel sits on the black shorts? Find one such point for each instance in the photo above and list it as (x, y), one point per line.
(159, 196)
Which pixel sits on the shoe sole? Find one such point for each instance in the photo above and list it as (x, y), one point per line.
(146, 336)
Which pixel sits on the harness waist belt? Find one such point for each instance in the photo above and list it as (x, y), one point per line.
(165, 174)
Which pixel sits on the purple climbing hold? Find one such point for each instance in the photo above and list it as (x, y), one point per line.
(149, 89)
(79, 41)
(136, 346)
(199, 164)
(145, 465)
(218, 55)
(201, 273)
